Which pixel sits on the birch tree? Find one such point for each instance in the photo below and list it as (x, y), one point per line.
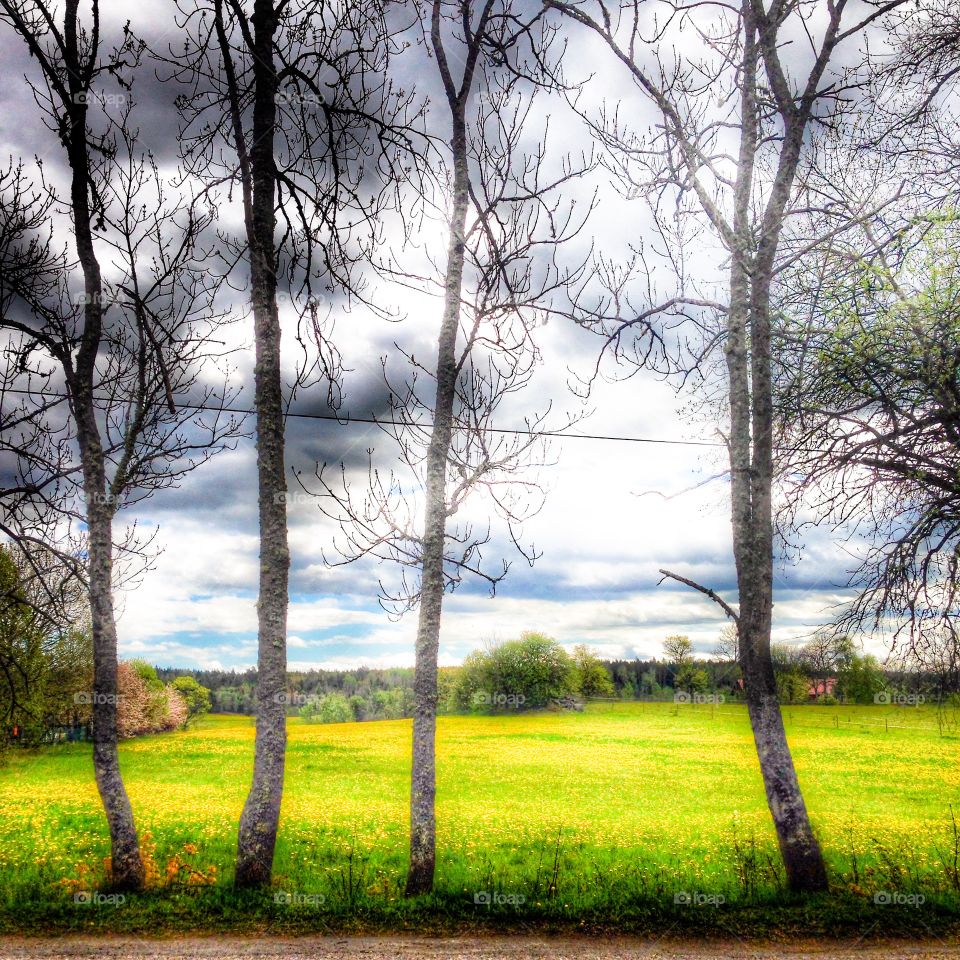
(93, 379)
(732, 115)
(289, 105)
(504, 221)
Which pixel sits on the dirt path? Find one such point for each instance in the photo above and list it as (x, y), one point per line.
(421, 948)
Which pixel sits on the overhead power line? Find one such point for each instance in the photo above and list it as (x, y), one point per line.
(382, 421)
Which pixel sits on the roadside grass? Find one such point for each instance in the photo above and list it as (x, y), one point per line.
(628, 817)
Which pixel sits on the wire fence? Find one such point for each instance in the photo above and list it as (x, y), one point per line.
(944, 721)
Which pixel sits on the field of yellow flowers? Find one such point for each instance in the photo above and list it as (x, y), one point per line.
(539, 815)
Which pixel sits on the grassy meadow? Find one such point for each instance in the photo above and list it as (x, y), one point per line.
(616, 818)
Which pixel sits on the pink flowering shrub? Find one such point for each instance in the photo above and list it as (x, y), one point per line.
(133, 702)
(141, 709)
(176, 709)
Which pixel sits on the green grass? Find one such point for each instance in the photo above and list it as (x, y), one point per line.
(597, 820)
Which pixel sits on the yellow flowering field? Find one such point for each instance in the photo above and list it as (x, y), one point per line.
(622, 803)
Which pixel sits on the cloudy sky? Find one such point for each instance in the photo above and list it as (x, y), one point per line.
(616, 510)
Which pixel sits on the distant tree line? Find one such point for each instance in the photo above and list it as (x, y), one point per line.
(535, 671)
(235, 691)
(527, 673)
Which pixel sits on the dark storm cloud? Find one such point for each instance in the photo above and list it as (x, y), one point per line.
(223, 490)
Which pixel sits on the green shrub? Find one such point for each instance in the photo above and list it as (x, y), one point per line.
(331, 708)
(691, 678)
(861, 679)
(196, 697)
(792, 687)
(520, 674)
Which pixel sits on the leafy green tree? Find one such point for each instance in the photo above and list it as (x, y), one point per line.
(331, 708)
(590, 677)
(22, 637)
(691, 678)
(359, 706)
(793, 686)
(38, 602)
(861, 679)
(649, 684)
(678, 650)
(448, 679)
(393, 704)
(473, 679)
(69, 677)
(520, 674)
(534, 667)
(196, 697)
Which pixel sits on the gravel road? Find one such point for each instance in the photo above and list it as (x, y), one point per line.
(422, 948)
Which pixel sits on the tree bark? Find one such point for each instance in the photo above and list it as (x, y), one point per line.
(261, 813)
(127, 872)
(423, 774)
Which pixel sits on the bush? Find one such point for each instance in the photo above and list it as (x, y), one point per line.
(144, 706)
(154, 705)
(692, 679)
(861, 679)
(520, 674)
(359, 707)
(195, 696)
(792, 687)
(392, 704)
(448, 682)
(178, 711)
(331, 708)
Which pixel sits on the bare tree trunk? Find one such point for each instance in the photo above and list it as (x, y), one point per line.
(261, 813)
(423, 775)
(750, 56)
(751, 468)
(126, 864)
(127, 871)
(752, 526)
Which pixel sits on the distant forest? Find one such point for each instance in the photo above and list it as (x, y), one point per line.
(235, 691)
